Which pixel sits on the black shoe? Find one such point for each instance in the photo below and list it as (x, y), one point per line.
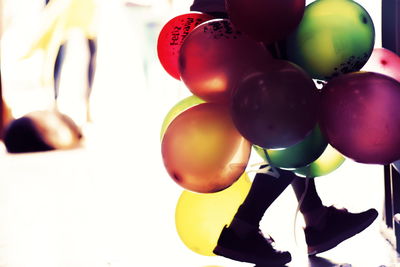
(255, 248)
(339, 226)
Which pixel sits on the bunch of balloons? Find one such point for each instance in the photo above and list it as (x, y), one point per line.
(256, 81)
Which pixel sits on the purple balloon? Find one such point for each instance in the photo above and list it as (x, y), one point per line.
(360, 116)
(276, 106)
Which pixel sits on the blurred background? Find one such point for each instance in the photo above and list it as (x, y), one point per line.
(110, 202)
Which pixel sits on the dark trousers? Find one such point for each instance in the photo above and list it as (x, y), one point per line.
(265, 189)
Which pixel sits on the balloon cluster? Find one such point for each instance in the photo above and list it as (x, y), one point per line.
(283, 78)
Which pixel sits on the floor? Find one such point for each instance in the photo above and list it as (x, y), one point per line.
(112, 204)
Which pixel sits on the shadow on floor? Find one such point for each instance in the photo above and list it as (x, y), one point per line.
(315, 261)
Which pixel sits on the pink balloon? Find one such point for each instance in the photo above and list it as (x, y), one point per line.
(215, 56)
(360, 116)
(385, 62)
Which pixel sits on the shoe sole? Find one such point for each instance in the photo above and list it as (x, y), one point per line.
(313, 250)
(234, 255)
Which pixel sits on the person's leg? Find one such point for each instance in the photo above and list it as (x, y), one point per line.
(311, 199)
(57, 70)
(263, 192)
(311, 204)
(242, 240)
(326, 227)
(91, 72)
(92, 63)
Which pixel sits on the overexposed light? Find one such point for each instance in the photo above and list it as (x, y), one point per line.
(112, 203)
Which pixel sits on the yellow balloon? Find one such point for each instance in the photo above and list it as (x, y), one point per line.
(179, 107)
(200, 218)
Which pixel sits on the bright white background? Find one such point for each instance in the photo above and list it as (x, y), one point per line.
(112, 203)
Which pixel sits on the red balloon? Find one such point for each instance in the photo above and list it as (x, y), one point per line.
(360, 116)
(276, 107)
(266, 20)
(203, 151)
(385, 62)
(172, 36)
(215, 56)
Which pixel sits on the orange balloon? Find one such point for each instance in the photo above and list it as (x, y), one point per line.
(202, 150)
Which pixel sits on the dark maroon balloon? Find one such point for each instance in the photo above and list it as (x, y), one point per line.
(266, 20)
(171, 38)
(360, 116)
(215, 56)
(276, 107)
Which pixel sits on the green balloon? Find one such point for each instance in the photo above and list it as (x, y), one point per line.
(298, 155)
(334, 37)
(329, 161)
(181, 106)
